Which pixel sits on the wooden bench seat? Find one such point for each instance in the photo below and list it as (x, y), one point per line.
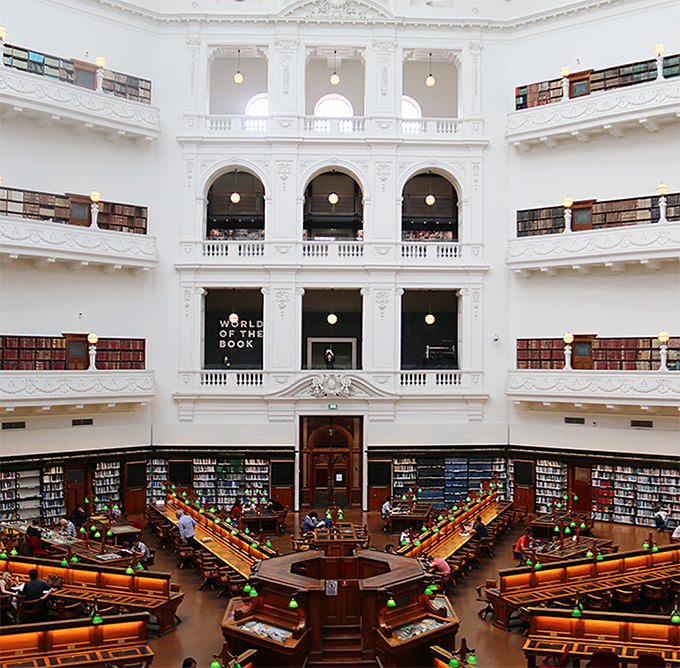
(119, 640)
(628, 635)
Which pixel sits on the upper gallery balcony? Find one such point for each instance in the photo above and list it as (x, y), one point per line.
(72, 370)
(613, 100)
(586, 371)
(85, 96)
(582, 235)
(78, 230)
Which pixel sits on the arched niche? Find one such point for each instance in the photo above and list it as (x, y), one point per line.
(235, 207)
(429, 210)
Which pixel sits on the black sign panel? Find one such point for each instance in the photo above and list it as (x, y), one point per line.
(233, 345)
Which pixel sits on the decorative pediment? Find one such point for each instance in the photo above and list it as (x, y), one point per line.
(336, 10)
(325, 385)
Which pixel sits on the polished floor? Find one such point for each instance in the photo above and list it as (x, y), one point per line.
(199, 633)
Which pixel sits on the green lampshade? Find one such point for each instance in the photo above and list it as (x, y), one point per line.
(254, 544)
(3, 555)
(589, 554)
(184, 493)
(82, 530)
(96, 499)
(567, 531)
(129, 571)
(93, 529)
(253, 593)
(86, 500)
(583, 526)
(13, 552)
(246, 589)
(391, 603)
(74, 559)
(538, 566)
(64, 562)
(492, 485)
(173, 487)
(435, 530)
(228, 520)
(341, 516)
(115, 506)
(528, 562)
(247, 530)
(455, 509)
(163, 487)
(97, 535)
(440, 518)
(329, 516)
(599, 557)
(201, 511)
(109, 533)
(467, 508)
(675, 617)
(454, 663)
(404, 542)
(212, 510)
(565, 496)
(218, 521)
(468, 499)
(573, 525)
(106, 508)
(268, 544)
(645, 545)
(655, 548)
(556, 529)
(576, 612)
(234, 532)
(215, 664)
(472, 660)
(423, 528)
(420, 491)
(140, 567)
(428, 591)
(417, 543)
(174, 495)
(293, 604)
(575, 497)
(97, 619)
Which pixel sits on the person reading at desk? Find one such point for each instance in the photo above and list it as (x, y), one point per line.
(36, 589)
(34, 529)
(310, 522)
(661, 518)
(236, 511)
(79, 516)
(389, 548)
(68, 529)
(479, 529)
(526, 543)
(8, 587)
(275, 506)
(439, 565)
(142, 550)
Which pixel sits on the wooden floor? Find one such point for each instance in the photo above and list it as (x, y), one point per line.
(199, 633)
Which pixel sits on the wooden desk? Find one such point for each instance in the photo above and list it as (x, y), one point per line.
(544, 525)
(119, 640)
(337, 541)
(527, 586)
(414, 517)
(572, 550)
(265, 520)
(122, 531)
(92, 553)
(145, 591)
(628, 635)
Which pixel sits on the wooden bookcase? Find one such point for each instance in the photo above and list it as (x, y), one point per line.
(536, 94)
(127, 86)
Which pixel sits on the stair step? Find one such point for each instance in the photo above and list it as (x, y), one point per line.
(363, 663)
(349, 629)
(347, 655)
(346, 640)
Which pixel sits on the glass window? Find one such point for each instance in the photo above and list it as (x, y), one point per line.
(334, 106)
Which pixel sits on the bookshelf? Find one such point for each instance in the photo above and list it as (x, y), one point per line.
(537, 94)
(531, 222)
(480, 469)
(403, 476)
(511, 479)
(204, 480)
(500, 470)
(127, 86)
(106, 484)
(455, 479)
(602, 477)
(29, 497)
(121, 354)
(156, 477)
(256, 477)
(53, 502)
(231, 480)
(551, 482)
(431, 479)
(625, 483)
(8, 493)
(657, 486)
(122, 218)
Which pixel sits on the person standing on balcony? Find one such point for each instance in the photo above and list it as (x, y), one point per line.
(329, 358)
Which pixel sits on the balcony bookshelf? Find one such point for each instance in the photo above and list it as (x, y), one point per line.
(53, 499)
(551, 483)
(204, 480)
(156, 476)
(106, 484)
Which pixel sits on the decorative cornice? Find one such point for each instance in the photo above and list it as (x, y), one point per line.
(22, 388)
(631, 243)
(608, 111)
(28, 93)
(69, 243)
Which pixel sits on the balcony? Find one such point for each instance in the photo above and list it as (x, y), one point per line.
(314, 127)
(377, 389)
(45, 390)
(215, 253)
(49, 101)
(585, 389)
(614, 248)
(647, 105)
(45, 243)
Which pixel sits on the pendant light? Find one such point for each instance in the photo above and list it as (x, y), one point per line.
(235, 197)
(429, 318)
(333, 198)
(430, 80)
(233, 316)
(238, 77)
(430, 199)
(331, 318)
(335, 77)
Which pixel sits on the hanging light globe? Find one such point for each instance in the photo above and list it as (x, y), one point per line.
(235, 198)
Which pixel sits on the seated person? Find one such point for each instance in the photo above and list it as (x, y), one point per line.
(405, 537)
(116, 513)
(386, 509)
(439, 565)
(34, 529)
(526, 543)
(389, 548)
(310, 522)
(236, 511)
(142, 550)
(79, 516)
(661, 518)
(7, 585)
(36, 590)
(68, 529)
(276, 506)
(479, 529)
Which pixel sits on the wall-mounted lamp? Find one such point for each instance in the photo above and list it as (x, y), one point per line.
(95, 197)
(335, 77)
(568, 339)
(565, 72)
(92, 339)
(3, 33)
(663, 337)
(658, 50)
(662, 189)
(100, 61)
(238, 77)
(429, 79)
(567, 203)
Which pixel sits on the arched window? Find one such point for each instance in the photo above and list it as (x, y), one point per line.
(333, 106)
(258, 109)
(411, 110)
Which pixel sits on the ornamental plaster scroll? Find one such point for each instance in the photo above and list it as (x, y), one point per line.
(332, 385)
(340, 384)
(336, 10)
(383, 169)
(78, 99)
(640, 383)
(59, 236)
(193, 44)
(382, 299)
(286, 61)
(568, 111)
(284, 170)
(384, 63)
(282, 299)
(68, 385)
(189, 166)
(599, 241)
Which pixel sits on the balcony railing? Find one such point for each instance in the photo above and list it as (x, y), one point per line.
(45, 389)
(425, 129)
(343, 253)
(45, 243)
(49, 101)
(644, 389)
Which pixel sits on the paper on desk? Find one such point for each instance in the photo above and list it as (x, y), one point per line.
(207, 539)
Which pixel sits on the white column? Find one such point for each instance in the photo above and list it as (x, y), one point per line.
(381, 326)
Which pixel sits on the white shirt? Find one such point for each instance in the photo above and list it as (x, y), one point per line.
(386, 509)
(676, 533)
(187, 526)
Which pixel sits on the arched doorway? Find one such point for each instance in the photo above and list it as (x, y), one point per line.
(331, 458)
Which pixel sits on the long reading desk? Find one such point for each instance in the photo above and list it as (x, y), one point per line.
(526, 586)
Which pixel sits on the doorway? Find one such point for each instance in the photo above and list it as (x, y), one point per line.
(77, 484)
(580, 477)
(331, 461)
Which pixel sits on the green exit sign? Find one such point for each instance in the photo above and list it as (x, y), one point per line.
(333, 406)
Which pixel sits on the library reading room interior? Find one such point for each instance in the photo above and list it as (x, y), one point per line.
(339, 333)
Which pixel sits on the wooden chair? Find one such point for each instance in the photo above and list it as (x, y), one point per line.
(7, 610)
(165, 535)
(282, 526)
(560, 661)
(481, 596)
(627, 598)
(599, 602)
(68, 610)
(604, 658)
(210, 572)
(30, 611)
(486, 545)
(657, 594)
